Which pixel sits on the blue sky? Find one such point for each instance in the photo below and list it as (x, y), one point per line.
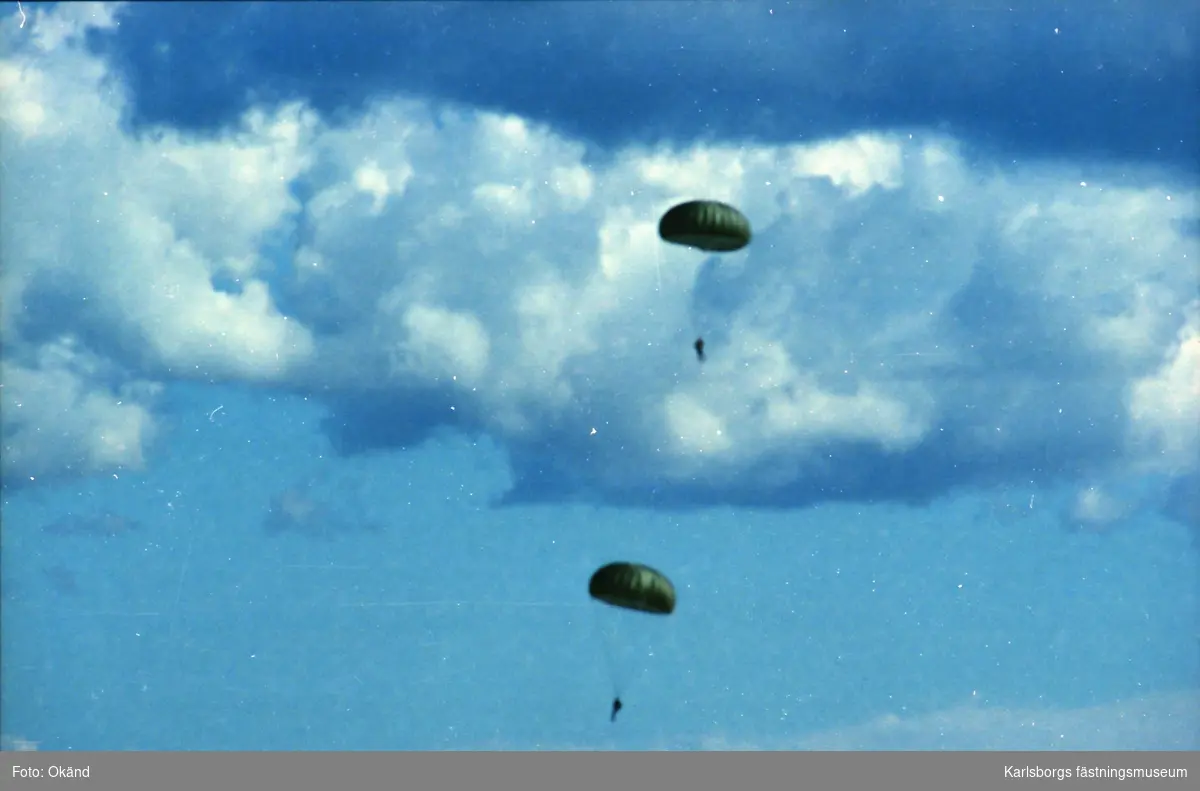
(340, 347)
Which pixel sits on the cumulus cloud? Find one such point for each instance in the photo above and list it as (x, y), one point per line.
(910, 315)
(60, 416)
(128, 233)
(1164, 405)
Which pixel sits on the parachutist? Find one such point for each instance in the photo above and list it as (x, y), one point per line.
(636, 587)
(699, 347)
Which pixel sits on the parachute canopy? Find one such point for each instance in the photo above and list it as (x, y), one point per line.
(707, 225)
(633, 586)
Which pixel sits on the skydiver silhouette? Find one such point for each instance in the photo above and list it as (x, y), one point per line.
(699, 347)
(616, 708)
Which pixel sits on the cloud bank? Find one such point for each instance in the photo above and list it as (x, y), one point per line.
(911, 316)
(1032, 77)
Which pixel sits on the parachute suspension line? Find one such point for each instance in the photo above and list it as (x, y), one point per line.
(611, 662)
(628, 587)
(658, 268)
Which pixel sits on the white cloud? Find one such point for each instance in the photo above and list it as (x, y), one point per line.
(859, 163)
(50, 30)
(139, 227)
(1094, 508)
(442, 344)
(1165, 405)
(58, 417)
(897, 292)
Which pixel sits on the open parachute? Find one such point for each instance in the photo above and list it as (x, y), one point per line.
(629, 592)
(706, 225)
(633, 587)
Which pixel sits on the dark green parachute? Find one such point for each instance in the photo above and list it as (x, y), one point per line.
(644, 591)
(706, 225)
(633, 586)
